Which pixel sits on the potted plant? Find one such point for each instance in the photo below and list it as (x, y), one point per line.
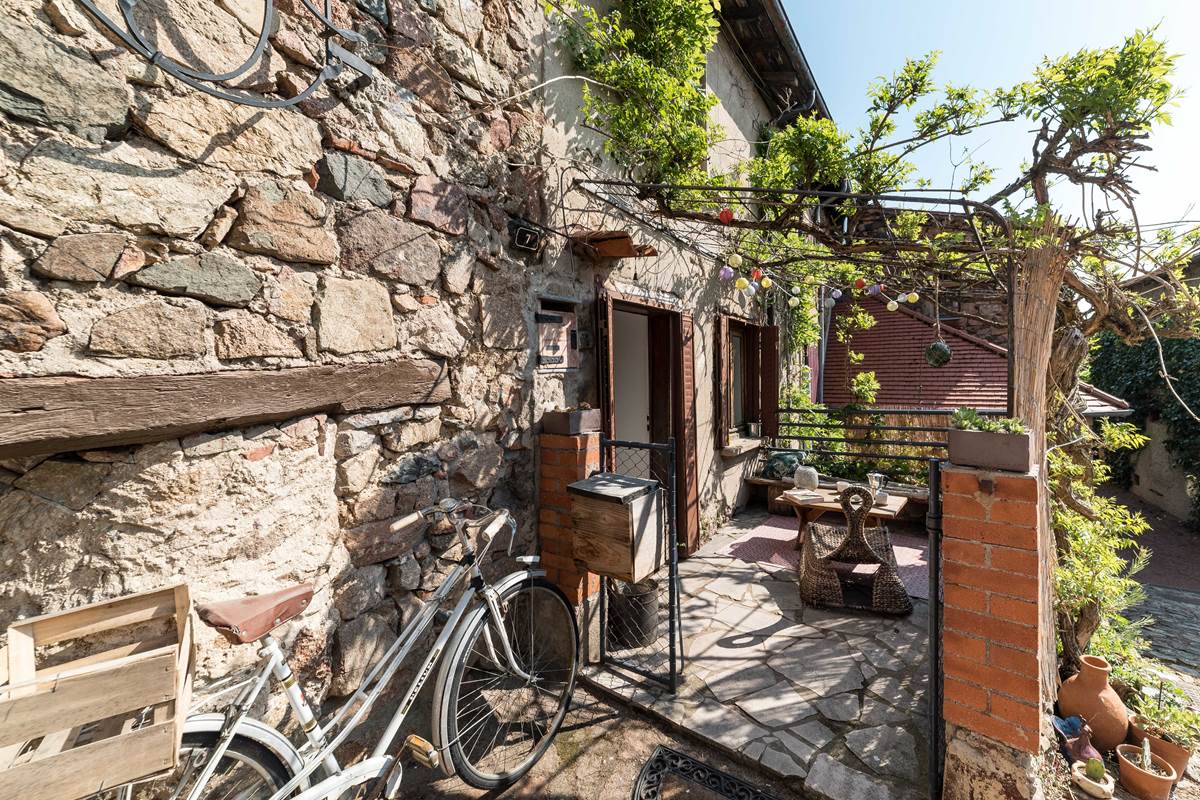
(571, 421)
(1091, 778)
(1145, 775)
(989, 442)
(1172, 730)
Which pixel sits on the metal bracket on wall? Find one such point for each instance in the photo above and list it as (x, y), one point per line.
(337, 58)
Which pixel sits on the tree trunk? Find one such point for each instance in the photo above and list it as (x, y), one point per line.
(1039, 280)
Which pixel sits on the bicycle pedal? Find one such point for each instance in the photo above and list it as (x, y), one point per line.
(423, 752)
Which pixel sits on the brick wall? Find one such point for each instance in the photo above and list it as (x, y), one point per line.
(996, 609)
(564, 460)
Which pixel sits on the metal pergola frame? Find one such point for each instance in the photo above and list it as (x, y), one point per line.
(688, 214)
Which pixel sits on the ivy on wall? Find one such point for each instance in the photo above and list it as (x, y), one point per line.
(1132, 373)
(652, 55)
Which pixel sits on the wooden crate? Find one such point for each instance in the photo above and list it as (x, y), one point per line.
(618, 521)
(100, 719)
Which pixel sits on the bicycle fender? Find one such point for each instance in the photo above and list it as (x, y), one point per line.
(260, 732)
(441, 709)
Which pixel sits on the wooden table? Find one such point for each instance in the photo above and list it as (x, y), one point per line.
(809, 509)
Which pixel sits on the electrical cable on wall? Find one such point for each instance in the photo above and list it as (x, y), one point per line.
(337, 58)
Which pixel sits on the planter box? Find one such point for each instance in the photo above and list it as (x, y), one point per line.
(618, 521)
(571, 423)
(1012, 452)
(104, 718)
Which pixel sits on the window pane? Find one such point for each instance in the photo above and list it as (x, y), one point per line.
(737, 380)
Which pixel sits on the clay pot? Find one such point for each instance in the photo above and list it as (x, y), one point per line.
(1140, 783)
(1101, 790)
(1087, 694)
(1178, 757)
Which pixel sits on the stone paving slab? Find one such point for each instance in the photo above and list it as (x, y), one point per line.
(831, 696)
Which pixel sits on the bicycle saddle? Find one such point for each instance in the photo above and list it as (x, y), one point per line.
(248, 619)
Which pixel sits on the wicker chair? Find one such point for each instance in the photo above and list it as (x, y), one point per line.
(854, 543)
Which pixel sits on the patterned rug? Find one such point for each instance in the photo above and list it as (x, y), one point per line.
(773, 542)
(672, 775)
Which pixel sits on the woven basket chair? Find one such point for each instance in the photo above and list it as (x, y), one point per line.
(854, 543)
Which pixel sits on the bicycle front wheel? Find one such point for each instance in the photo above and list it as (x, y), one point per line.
(499, 722)
(247, 771)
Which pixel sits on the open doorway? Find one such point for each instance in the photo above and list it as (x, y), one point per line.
(648, 393)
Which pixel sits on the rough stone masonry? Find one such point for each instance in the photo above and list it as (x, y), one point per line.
(148, 229)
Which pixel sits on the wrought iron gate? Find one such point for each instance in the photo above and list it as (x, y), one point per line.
(639, 622)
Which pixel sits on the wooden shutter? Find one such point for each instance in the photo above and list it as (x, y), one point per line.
(721, 381)
(604, 360)
(768, 348)
(688, 480)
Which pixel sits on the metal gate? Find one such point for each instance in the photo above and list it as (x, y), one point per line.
(937, 727)
(639, 622)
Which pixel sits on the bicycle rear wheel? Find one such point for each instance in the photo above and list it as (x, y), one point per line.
(498, 723)
(247, 771)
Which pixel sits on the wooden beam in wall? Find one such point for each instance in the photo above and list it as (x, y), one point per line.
(51, 415)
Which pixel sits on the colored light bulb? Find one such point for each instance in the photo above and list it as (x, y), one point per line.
(913, 297)
(793, 302)
(892, 305)
(767, 283)
(735, 260)
(741, 283)
(726, 273)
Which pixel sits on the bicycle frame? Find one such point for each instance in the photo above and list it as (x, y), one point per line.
(322, 742)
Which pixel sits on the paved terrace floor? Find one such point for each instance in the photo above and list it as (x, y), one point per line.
(832, 698)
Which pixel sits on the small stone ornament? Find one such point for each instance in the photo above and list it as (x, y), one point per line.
(938, 354)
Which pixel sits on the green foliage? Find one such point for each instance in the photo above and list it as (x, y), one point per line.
(968, 419)
(1132, 373)
(1167, 717)
(864, 388)
(1092, 570)
(651, 54)
(820, 423)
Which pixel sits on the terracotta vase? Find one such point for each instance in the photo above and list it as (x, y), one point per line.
(1088, 695)
(1178, 757)
(1140, 783)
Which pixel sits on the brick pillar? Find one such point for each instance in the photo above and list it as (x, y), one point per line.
(564, 460)
(998, 637)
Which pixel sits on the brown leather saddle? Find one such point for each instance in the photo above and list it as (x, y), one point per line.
(248, 619)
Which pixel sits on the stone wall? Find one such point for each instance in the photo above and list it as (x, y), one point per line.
(146, 228)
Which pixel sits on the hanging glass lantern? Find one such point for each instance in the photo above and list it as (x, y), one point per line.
(836, 294)
(726, 216)
(793, 302)
(913, 297)
(766, 282)
(726, 274)
(741, 283)
(735, 260)
(938, 354)
(892, 305)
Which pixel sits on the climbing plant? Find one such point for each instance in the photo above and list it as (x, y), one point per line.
(650, 56)
(1132, 372)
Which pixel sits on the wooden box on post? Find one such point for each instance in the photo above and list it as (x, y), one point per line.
(112, 712)
(618, 521)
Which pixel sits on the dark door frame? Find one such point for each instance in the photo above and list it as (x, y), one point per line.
(674, 326)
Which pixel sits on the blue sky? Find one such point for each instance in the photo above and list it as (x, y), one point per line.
(849, 43)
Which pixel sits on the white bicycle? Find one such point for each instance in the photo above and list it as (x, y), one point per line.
(511, 654)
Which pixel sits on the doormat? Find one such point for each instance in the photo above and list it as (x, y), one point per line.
(671, 775)
(773, 542)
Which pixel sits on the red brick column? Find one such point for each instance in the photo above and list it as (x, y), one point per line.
(998, 609)
(564, 460)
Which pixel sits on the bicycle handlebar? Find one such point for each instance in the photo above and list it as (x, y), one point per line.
(448, 506)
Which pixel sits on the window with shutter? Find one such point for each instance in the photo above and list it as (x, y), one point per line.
(747, 377)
